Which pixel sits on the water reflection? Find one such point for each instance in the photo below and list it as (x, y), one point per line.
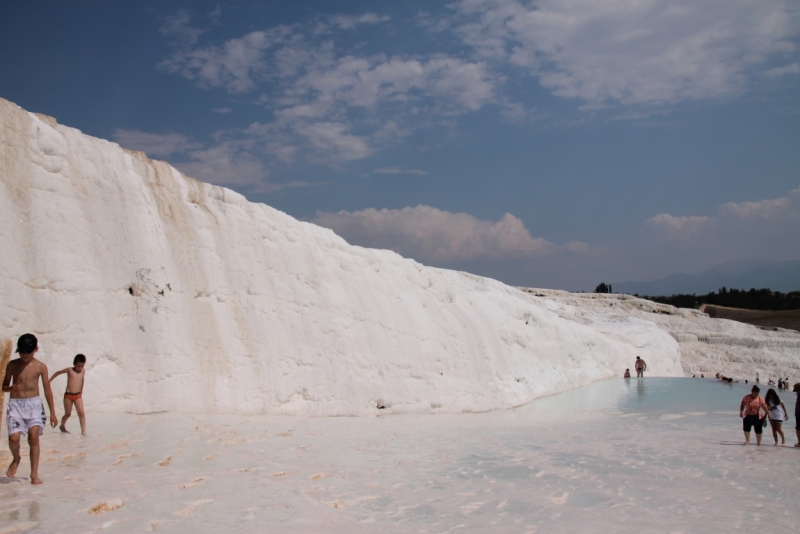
(33, 511)
(640, 389)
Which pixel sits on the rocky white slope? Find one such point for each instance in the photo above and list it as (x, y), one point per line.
(186, 297)
(707, 345)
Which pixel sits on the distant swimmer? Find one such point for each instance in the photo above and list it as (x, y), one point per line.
(750, 412)
(640, 366)
(74, 392)
(758, 378)
(25, 413)
(702, 375)
(627, 373)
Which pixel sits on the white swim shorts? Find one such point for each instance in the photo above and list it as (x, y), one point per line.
(24, 414)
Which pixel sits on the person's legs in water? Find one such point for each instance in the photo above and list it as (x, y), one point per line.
(13, 444)
(747, 424)
(67, 413)
(776, 430)
(33, 442)
(81, 415)
(779, 425)
(757, 428)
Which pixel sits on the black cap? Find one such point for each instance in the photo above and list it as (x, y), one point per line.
(27, 343)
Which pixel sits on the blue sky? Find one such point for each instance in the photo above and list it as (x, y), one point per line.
(544, 143)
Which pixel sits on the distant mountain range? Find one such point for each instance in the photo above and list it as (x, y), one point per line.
(783, 276)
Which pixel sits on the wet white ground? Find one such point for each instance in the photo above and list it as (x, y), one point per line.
(658, 455)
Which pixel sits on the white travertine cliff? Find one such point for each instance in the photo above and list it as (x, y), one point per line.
(185, 296)
(708, 346)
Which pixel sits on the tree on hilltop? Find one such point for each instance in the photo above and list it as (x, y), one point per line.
(603, 288)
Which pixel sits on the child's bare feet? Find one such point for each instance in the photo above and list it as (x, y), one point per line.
(36, 480)
(63, 429)
(12, 469)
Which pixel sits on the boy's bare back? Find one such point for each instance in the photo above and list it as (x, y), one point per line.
(22, 379)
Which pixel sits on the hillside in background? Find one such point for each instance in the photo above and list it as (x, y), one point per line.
(766, 319)
(752, 299)
(777, 275)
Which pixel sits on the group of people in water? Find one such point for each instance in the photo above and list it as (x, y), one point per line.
(755, 410)
(640, 365)
(25, 412)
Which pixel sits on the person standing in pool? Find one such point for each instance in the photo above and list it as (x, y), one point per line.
(796, 389)
(777, 414)
(750, 412)
(640, 366)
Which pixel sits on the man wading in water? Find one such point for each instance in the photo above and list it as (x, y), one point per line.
(641, 367)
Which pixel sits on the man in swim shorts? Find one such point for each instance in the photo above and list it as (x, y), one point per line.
(640, 366)
(25, 413)
(74, 392)
(750, 412)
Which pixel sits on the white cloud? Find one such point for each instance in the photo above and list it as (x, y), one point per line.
(179, 31)
(330, 106)
(234, 65)
(765, 209)
(794, 68)
(399, 170)
(348, 22)
(154, 145)
(680, 227)
(641, 52)
(333, 139)
(736, 225)
(221, 111)
(431, 234)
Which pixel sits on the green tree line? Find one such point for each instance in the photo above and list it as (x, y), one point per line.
(752, 299)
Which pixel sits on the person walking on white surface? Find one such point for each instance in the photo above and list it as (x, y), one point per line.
(25, 413)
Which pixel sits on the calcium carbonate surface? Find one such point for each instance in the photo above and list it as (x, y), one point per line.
(187, 297)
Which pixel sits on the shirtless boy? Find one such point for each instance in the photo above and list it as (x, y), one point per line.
(74, 391)
(25, 413)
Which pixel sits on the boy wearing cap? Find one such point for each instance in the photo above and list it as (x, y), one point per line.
(25, 413)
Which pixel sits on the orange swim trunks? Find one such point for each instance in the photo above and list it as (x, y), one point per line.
(72, 396)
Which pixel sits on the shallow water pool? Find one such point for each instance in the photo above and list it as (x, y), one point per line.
(652, 455)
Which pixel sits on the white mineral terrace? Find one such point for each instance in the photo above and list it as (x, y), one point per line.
(653, 455)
